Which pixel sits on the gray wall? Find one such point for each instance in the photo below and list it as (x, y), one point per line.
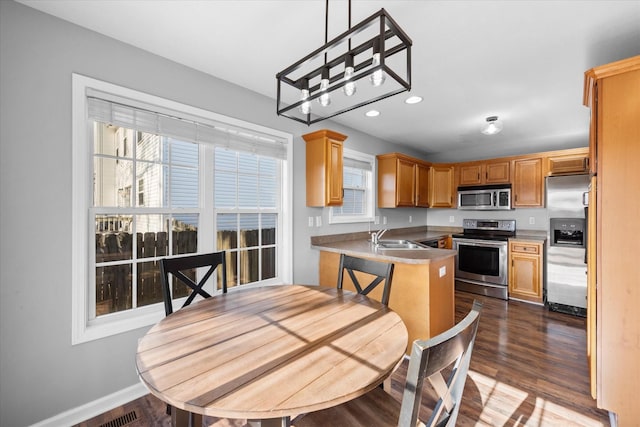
(41, 373)
(526, 219)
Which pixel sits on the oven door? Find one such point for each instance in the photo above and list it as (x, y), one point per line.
(481, 260)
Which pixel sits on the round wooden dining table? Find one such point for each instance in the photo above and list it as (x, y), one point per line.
(270, 353)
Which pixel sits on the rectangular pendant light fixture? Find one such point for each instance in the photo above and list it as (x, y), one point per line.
(369, 62)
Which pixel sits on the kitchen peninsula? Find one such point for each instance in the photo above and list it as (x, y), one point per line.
(422, 291)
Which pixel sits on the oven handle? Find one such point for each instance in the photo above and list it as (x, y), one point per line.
(485, 243)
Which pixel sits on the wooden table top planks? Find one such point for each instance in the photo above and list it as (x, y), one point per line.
(271, 352)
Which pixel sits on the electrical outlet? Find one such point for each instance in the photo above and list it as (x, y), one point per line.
(318, 221)
(310, 221)
(384, 220)
(410, 219)
(443, 271)
(532, 220)
(376, 220)
(452, 218)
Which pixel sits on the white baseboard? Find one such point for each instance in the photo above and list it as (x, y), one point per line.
(97, 407)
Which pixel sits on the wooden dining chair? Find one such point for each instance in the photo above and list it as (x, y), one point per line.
(382, 271)
(449, 352)
(177, 267)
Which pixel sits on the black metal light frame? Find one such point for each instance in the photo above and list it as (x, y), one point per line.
(388, 29)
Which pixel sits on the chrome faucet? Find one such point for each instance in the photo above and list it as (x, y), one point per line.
(376, 235)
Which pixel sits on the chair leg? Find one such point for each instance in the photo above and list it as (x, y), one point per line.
(386, 385)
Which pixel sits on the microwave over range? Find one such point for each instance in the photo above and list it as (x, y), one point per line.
(485, 197)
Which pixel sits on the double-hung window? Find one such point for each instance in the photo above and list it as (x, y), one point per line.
(357, 204)
(152, 179)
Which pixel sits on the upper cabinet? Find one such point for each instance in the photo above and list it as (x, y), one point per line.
(490, 172)
(528, 183)
(403, 181)
(324, 168)
(574, 161)
(422, 185)
(442, 190)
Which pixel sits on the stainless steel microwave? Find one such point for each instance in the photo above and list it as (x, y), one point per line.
(485, 197)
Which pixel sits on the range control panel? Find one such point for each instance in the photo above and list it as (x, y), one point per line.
(489, 224)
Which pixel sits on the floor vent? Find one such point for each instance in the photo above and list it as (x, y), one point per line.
(122, 420)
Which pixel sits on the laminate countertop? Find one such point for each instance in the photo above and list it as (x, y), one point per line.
(359, 244)
(534, 235)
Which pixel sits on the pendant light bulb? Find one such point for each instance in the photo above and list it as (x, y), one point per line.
(349, 88)
(305, 107)
(378, 77)
(325, 98)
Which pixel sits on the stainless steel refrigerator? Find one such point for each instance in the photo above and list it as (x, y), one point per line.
(566, 268)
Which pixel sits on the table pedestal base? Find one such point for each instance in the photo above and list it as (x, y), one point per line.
(182, 418)
(271, 422)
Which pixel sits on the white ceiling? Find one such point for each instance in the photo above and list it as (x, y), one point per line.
(521, 60)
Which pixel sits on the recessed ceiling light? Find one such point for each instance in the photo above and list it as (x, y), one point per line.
(413, 100)
(372, 113)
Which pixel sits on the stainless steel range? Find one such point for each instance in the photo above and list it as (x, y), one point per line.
(481, 263)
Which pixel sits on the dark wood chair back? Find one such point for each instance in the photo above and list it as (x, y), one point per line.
(382, 271)
(177, 267)
(429, 358)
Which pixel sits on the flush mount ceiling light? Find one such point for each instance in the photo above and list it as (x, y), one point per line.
(372, 113)
(336, 74)
(492, 126)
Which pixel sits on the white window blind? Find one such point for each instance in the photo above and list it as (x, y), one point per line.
(357, 203)
(349, 162)
(108, 108)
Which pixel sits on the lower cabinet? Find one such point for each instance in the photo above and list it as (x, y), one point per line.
(525, 270)
(422, 294)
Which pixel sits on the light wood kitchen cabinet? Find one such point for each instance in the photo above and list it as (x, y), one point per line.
(469, 174)
(403, 181)
(612, 92)
(525, 270)
(422, 185)
(442, 189)
(324, 168)
(576, 162)
(528, 183)
(479, 173)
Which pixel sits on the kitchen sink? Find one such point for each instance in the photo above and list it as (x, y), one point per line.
(400, 244)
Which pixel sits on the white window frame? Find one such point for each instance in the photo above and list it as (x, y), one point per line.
(84, 327)
(369, 193)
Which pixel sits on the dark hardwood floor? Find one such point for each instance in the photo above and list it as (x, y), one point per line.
(529, 368)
